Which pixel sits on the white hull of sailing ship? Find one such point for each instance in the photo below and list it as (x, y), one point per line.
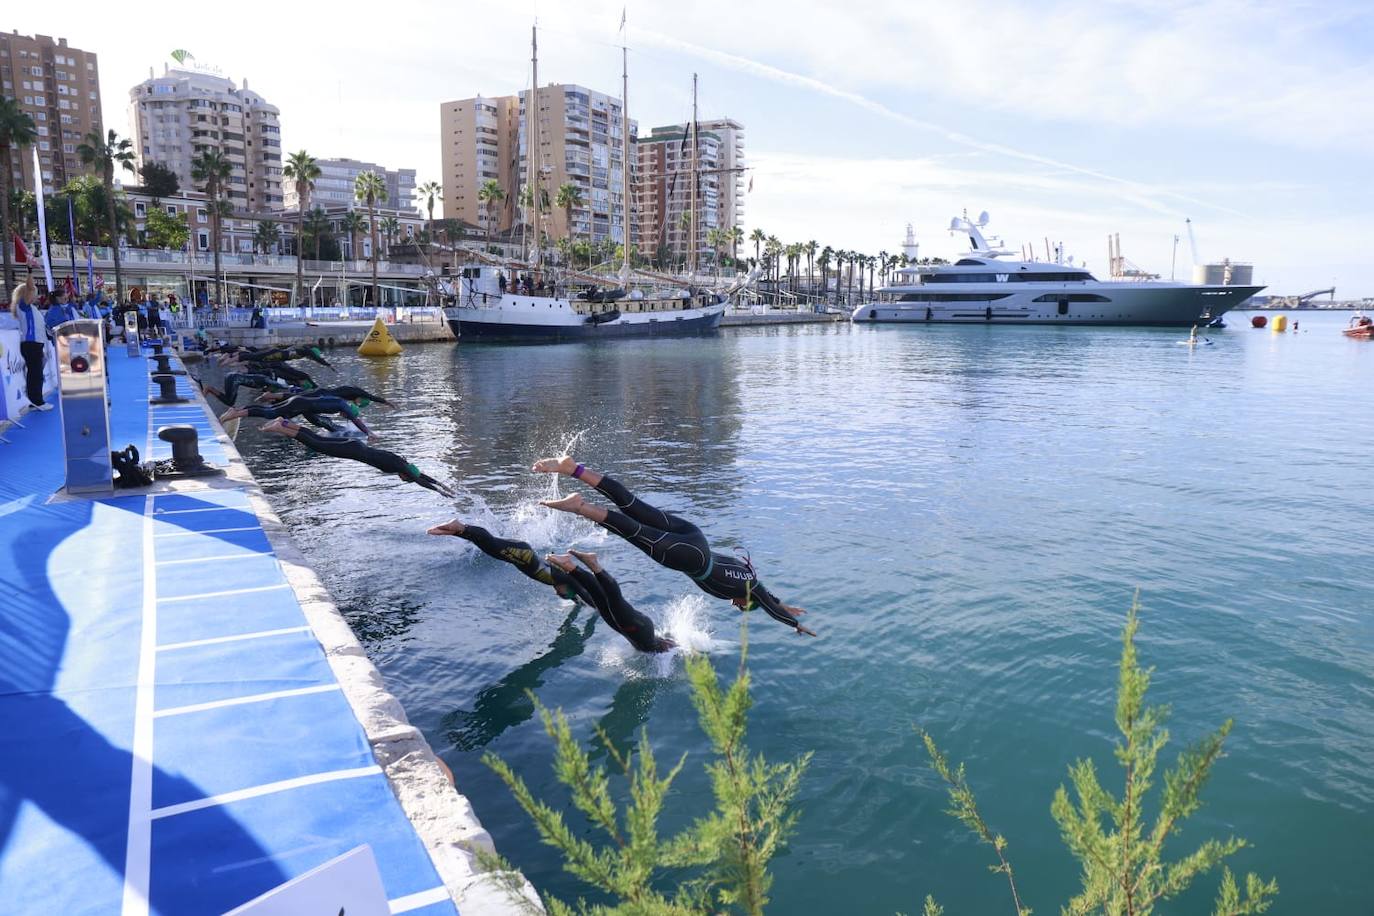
(504, 316)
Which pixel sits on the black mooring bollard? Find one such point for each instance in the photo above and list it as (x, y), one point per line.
(167, 390)
(164, 365)
(185, 446)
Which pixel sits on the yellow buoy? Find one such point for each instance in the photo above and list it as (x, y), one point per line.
(378, 342)
(1279, 324)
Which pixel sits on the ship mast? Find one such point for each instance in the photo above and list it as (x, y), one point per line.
(692, 213)
(532, 163)
(625, 162)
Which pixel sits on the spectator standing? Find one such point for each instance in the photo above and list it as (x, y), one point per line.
(33, 334)
(61, 310)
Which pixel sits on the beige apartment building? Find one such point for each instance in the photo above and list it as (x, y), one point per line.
(581, 132)
(175, 115)
(59, 87)
(663, 185)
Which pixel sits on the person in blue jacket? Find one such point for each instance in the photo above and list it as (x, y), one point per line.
(61, 310)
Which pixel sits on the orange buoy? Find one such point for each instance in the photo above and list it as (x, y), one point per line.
(1258, 321)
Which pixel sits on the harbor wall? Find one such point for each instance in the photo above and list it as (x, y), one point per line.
(443, 818)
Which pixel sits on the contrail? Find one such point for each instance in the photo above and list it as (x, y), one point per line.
(1142, 192)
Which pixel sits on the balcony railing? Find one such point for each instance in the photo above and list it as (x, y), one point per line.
(204, 261)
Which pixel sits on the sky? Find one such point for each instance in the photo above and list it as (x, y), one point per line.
(1065, 120)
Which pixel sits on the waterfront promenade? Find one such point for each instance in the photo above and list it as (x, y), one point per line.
(185, 719)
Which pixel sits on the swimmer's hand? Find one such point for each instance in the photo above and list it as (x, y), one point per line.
(801, 629)
(796, 610)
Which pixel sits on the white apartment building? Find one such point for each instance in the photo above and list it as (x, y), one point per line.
(175, 115)
(334, 187)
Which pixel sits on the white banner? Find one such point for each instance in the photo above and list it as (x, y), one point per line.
(12, 399)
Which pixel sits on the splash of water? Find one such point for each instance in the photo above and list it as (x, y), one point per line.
(685, 620)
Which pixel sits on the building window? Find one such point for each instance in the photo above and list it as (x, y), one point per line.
(171, 210)
(201, 214)
(203, 240)
(140, 209)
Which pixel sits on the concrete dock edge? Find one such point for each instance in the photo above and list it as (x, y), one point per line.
(443, 818)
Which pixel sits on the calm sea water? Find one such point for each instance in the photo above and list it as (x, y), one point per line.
(966, 512)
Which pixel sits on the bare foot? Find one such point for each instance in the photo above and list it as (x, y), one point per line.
(565, 465)
(453, 527)
(570, 503)
(588, 559)
(278, 426)
(562, 561)
(233, 413)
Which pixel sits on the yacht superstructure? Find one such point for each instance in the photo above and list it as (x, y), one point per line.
(984, 288)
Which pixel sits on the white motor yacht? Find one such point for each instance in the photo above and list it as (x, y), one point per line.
(983, 287)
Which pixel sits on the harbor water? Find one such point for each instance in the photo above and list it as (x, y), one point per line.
(966, 513)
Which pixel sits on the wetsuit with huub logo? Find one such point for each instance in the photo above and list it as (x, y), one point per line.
(522, 556)
(676, 543)
(382, 460)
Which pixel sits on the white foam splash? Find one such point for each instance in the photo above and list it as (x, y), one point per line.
(684, 621)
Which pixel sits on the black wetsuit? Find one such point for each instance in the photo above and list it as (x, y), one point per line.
(384, 461)
(522, 556)
(282, 354)
(288, 374)
(256, 380)
(348, 393)
(618, 613)
(312, 408)
(678, 544)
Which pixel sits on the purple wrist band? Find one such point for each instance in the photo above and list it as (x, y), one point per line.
(577, 471)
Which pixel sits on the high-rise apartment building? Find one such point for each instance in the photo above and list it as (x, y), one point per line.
(580, 133)
(663, 185)
(59, 88)
(335, 185)
(175, 115)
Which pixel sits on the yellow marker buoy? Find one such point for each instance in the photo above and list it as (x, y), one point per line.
(378, 342)
(1279, 324)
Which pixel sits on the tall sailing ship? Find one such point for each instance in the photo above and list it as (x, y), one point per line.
(530, 302)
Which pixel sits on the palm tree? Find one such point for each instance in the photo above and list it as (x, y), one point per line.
(823, 262)
(569, 198)
(429, 192)
(17, 131)
(714, 240)
(391, 227)
(266, 235)
(757, 237)
(882, 268)
(303, 170)
(736, 236)
(210, 169)
(811, 264)
(104, 153)
(368, 188)
(353, 222)
(453, 232)
(315, 227)
(490, 193)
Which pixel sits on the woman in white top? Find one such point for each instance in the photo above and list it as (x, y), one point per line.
(33, 335)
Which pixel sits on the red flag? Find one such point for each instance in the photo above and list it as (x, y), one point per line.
(70, 286)
(21, 251)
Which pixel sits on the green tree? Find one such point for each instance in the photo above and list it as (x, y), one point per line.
(21, 203)
(488, 194)
(162, 230)
(736, 236)
(158, 180)
(453, 232)
(721, 861)
(391, 228)
(266, 235)
(302, 169)
(17, 131)
(429, 192)
(758, 237)
(1121, 855)
(368, 188)
(568, 199)
(211, 170)
(353, 223)
(103, 154)
(316, 230)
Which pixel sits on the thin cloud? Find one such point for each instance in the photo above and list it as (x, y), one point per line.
(1142, 194)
